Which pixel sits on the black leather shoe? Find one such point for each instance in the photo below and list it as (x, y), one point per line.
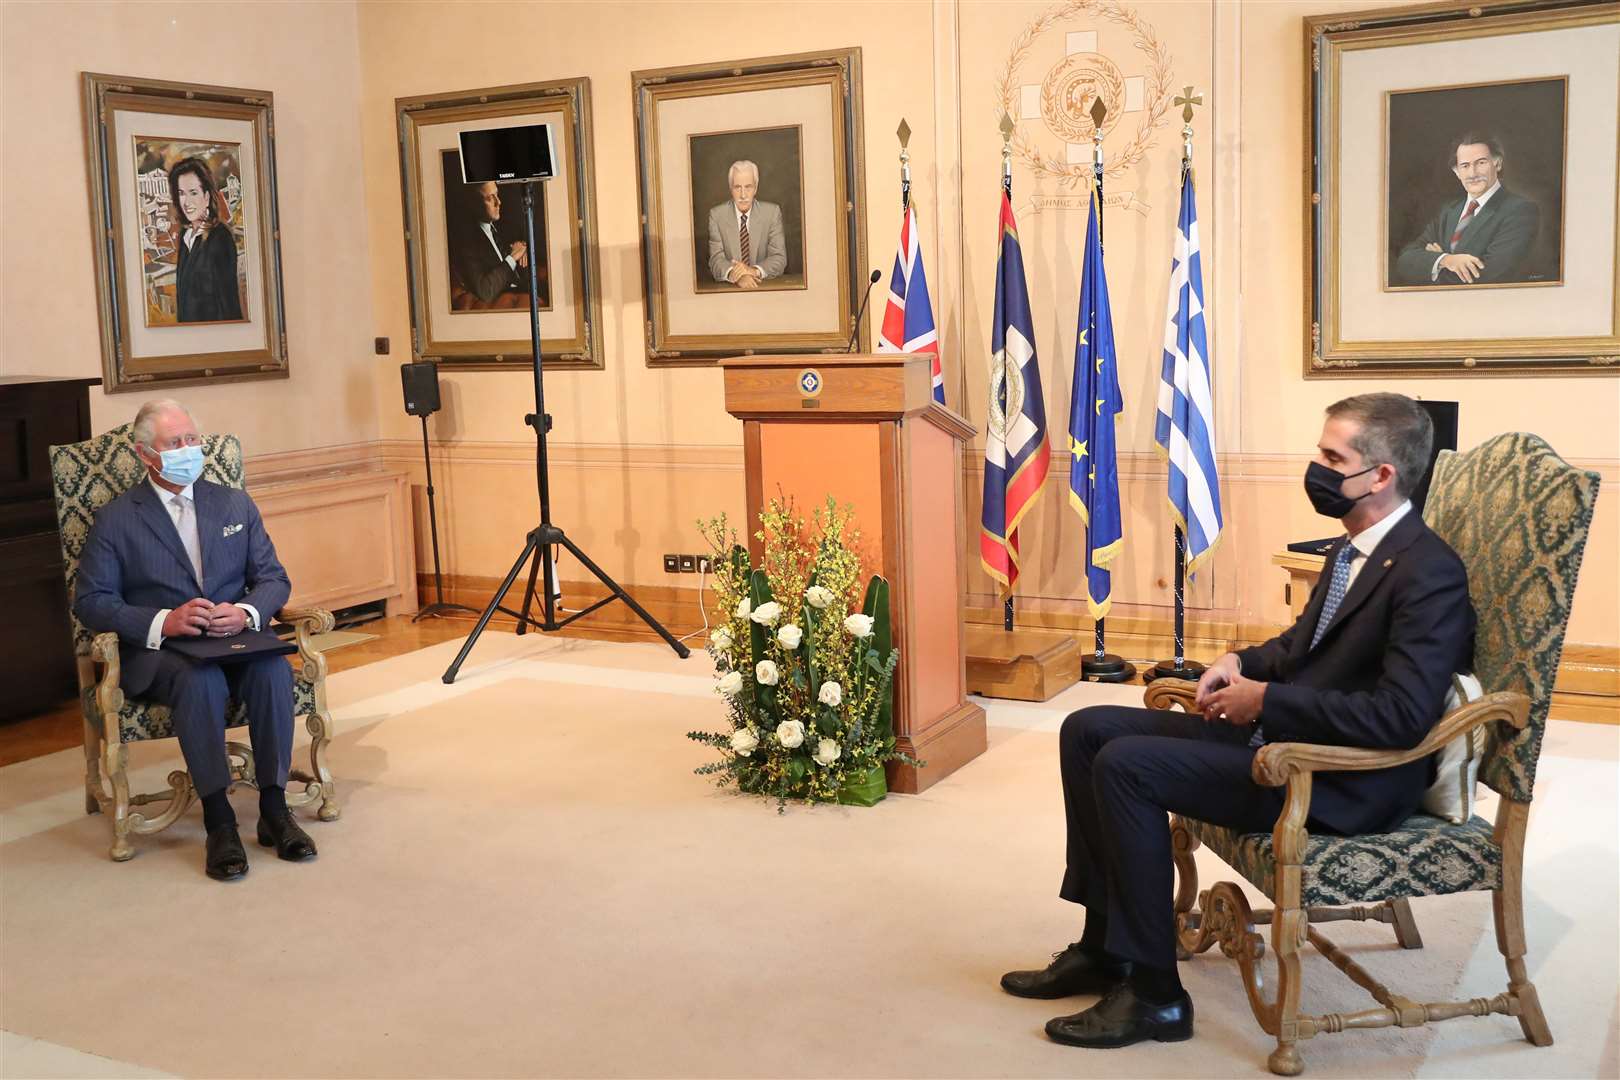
(1121, 1018)
(1072, 971)
(226, 859)
(284, 834)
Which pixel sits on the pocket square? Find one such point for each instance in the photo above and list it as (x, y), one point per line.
(231, 530)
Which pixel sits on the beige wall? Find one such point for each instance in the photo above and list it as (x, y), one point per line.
(642, 453)
(306, 55)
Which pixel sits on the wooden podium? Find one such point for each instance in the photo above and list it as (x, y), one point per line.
(866, 430)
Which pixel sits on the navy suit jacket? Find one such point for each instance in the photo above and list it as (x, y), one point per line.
(1378, 677)
(134, 565)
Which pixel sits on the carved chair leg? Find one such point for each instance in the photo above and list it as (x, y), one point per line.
(118, 773)
(1406, 930)
(320, 729)
(1182, 845)
(92, 766)
(1289, 922)
(1507, 903)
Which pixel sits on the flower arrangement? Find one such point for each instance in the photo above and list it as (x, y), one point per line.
(805, 661)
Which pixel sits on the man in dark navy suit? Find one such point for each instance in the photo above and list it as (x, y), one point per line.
(1485, 237)
(1366, 664)
(179, 556)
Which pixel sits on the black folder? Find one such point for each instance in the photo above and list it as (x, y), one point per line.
(248, 645)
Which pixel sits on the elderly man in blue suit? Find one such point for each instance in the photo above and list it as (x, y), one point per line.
(179, 556)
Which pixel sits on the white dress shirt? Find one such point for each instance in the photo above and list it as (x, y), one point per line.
(1367, 540)
(171, 503)
(1479, 204)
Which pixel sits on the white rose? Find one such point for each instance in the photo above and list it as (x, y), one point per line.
(767, 613)
(790, 733)
(790, 636)
(859, 626)
(731, 683)
(721, 640)
(765, 672)
(827, 752)
(743, 608)
(743, 741)
(818, 596)
(831, 694)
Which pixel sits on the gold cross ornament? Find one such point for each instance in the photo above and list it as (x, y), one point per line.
(1187, 100)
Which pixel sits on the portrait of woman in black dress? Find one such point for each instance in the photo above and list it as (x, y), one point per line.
(206, 288)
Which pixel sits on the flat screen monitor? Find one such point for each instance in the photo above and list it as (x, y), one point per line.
(510, 155)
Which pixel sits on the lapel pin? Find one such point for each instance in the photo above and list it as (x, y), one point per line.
(1388, 563)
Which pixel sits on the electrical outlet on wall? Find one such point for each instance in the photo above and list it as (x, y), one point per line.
(688, 564)
(672, 564)
(705, 565)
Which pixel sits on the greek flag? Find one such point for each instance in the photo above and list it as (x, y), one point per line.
(1093, 410)
(1185, 427)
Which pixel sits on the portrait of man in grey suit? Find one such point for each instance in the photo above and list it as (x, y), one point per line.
(176, 557)
(746, 246)
(1482, 238)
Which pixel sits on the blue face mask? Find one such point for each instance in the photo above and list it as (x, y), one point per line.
(182, 465)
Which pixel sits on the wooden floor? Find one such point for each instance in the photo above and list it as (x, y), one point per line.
(62, 727)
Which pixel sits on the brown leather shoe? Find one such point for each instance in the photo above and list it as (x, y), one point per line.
(284, 834)
(225, 859)
(1072, 971)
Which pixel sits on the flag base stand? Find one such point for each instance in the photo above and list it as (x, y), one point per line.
(1168, 669)
(1107, 668)
(1020, 665)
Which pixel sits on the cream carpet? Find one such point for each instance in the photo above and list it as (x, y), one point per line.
(529, 881)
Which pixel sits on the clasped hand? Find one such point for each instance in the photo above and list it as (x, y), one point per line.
(194, 618)
(744, 276)
(1224, 695)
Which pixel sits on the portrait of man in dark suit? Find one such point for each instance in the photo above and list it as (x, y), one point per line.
(488, 245)
(178, 557)
(1366, 664)
(1475, 180)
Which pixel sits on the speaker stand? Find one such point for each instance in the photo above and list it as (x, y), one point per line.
(438, 607)
(546, 534)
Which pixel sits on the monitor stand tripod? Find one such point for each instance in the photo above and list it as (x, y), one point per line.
(544, 536)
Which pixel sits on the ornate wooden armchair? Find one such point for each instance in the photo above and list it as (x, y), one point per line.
(1518, 516)
(87, 476)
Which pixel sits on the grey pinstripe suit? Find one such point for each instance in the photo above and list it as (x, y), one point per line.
(134, 565)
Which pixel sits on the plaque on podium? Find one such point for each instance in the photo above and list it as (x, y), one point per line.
(866, 430)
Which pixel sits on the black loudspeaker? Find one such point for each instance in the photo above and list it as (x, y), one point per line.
(508, 155)
(421, 383)
(1444, 416)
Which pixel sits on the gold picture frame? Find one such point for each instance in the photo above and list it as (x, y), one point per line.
(187, 246)
(471, 321)
(784, 114)
(1382, 128)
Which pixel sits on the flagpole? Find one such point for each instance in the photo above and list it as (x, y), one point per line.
(1101, 666)
(904, 132)
(1006, 189)
(1179, 668)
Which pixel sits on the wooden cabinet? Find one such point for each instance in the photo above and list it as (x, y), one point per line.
(36, 637)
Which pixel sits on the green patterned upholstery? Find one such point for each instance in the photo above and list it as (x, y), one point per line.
(1426, 856)
(1518, 514)
(87, 476)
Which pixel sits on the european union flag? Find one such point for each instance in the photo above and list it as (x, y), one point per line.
(1093, 410)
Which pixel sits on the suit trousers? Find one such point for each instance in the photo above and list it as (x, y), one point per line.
(197, 693)
(1123, 769)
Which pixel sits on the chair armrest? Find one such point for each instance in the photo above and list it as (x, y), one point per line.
(109, 695)
(1164, 693)
(308, 622)
(1276, 762)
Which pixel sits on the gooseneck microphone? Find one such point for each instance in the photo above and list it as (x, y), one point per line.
(853, 334)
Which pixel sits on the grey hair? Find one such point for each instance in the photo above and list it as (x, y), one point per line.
(1395, 430)
(146, 418)
(731, 173)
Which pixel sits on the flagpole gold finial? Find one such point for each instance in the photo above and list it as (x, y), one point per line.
(1187, 100)
(1099, 113)
(903, 132)
(1007, 129)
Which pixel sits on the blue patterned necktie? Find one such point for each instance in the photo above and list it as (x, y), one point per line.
(1338, 585)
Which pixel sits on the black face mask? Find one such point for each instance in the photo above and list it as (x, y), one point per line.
(1325, 487)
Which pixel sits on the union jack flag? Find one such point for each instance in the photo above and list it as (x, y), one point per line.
(908, 321)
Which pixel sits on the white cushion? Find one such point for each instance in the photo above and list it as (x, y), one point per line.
(1451, 796)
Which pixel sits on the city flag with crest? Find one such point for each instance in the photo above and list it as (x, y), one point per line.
(1093, 410)
(1015, 448)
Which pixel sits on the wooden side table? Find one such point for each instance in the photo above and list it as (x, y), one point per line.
(1303, 570)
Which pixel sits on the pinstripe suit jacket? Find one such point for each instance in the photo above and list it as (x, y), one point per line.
(134, 565)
